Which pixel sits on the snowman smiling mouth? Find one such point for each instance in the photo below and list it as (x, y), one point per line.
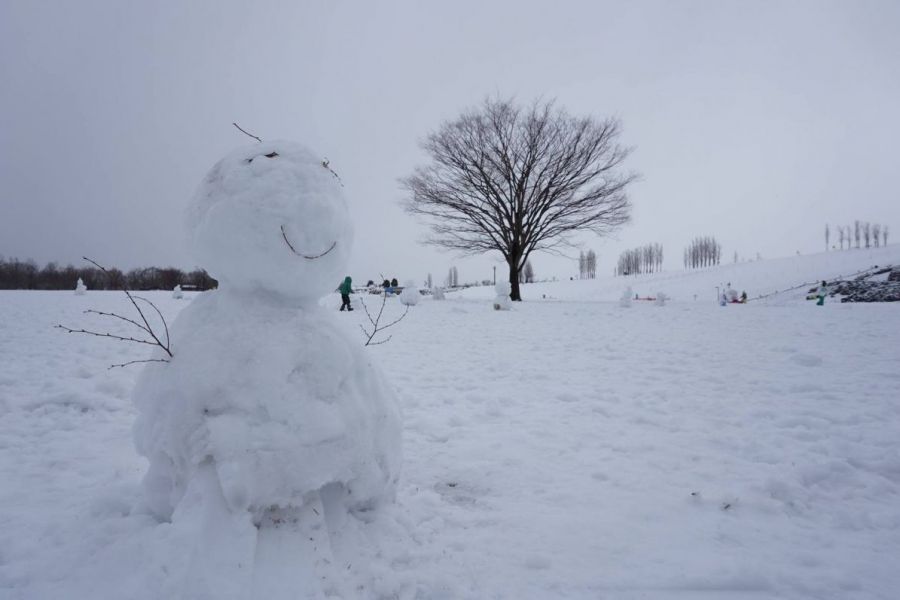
(306, 256)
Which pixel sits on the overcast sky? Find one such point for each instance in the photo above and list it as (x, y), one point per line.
(756, 122)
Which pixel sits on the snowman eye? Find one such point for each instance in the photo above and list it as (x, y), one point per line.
(272, 154)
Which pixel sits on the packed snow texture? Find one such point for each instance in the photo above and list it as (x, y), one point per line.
(626, 298)
(259, 211)
(410, 294)
(678, 453)
(502, 300)
(268, 414)
(282, 401)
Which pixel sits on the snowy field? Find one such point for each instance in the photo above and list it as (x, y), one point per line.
(569, 448)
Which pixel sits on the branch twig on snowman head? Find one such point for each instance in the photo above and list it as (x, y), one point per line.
(244, 131)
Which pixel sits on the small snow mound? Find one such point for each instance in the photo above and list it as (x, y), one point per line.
(502, 301)
(410, 294)
(80, 288)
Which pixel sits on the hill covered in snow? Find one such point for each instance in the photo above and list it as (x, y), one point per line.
(757, 278)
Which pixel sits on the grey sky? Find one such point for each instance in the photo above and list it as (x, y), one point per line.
(757, 122)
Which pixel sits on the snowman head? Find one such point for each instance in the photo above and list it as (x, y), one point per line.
(271, 218)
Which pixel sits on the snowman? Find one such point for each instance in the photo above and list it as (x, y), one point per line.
(502, 301)
(271, 437)
(177, 292)
(410, 294)
(626, 298)
(80, 288)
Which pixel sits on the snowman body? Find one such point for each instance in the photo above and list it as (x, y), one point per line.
(267, 401)
(410, 294)
(80, 288)
(502, 300)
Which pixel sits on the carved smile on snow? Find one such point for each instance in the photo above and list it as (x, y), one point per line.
(306, 256)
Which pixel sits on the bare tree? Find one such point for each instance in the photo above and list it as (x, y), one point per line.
(884, 235)
(841, 236)
(703, 252)
(827, 237)
(876, 234)
(591, 264)
(856, 233)
(518, 180)
(867, 234)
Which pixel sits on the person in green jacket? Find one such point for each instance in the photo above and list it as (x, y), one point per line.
(346, 288)
(823, 291)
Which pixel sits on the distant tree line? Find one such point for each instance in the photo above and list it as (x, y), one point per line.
(862, 234)
(702, 252)
(646, 259)
(587, 265)
(26, 275)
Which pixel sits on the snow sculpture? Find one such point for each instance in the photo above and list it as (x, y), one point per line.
(80, 288)
(268, 413)
(661, 299)
(410, 294)
(177, 293)
(502, 301)
(438, 293)
(625, 300)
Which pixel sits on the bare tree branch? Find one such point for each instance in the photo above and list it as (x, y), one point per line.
(246, 132)
(516, 180)
(134, 362)
(376, 328)
(146, 327)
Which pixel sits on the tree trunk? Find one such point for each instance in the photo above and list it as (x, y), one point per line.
(514, 281)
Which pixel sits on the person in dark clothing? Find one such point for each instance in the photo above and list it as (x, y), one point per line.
(346, 288)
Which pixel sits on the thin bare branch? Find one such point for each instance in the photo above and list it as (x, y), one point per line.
(146, 327)
(376, 327)
(245, 132)
(107, 335)
(134, 362)
(114, 315)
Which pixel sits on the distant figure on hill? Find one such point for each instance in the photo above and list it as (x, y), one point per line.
(823, 291)
(744, 297)
(346, 288)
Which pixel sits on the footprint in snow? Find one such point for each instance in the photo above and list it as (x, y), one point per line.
(806, 360)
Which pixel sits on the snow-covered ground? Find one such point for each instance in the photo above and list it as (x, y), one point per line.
(564, 449)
